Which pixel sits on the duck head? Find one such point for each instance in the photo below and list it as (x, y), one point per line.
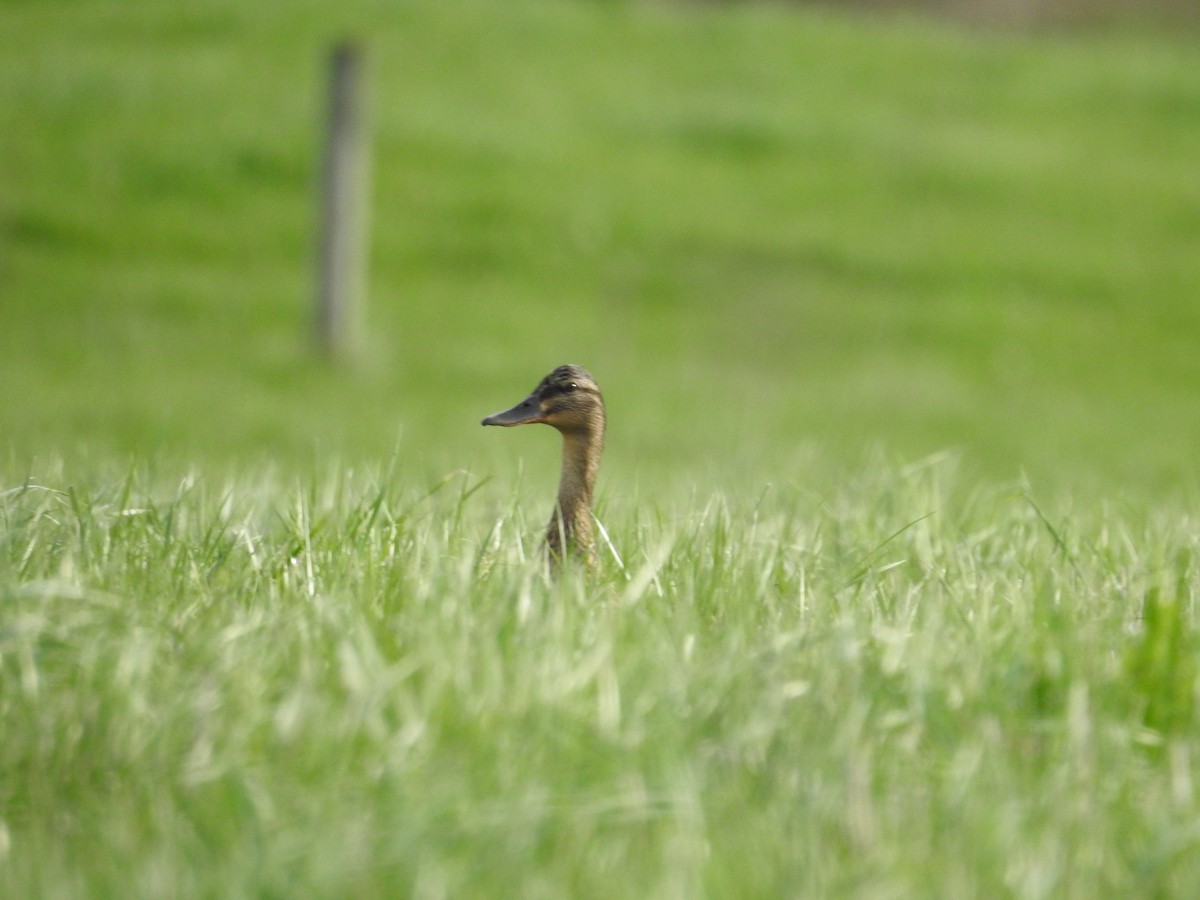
(568, 398)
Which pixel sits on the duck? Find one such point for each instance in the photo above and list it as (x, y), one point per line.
(570, 400)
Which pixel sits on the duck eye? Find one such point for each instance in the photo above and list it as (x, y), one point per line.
(572, 386)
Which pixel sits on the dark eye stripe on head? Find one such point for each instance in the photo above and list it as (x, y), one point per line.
(553, 390)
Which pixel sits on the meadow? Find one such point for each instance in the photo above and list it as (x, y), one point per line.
(896, 321)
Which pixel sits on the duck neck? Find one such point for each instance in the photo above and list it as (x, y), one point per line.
(571, 523)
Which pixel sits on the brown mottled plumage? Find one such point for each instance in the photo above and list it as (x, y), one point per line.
(569, 400)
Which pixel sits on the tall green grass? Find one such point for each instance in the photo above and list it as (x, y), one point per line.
(906, 686)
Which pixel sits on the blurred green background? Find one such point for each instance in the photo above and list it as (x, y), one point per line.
(773, 233)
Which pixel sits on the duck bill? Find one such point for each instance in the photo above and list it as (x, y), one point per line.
(526, 412)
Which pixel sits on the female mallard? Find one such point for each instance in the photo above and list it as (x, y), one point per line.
(569, 400)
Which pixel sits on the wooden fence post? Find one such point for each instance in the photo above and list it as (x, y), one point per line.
(342, 257)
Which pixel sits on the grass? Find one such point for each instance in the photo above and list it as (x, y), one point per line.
(785, 224)
(895, 323)
(906, 687)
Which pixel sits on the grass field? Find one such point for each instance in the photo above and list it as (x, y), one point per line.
(896, 322)
(346, 688)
